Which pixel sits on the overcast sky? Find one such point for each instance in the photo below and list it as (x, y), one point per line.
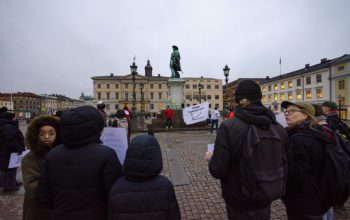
(56, 46)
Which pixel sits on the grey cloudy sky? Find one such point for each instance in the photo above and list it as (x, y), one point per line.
(56, 46)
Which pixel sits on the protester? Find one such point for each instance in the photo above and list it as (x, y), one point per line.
(101, 108)
(321, 121)
(142, 193)
(215, 115)
(11, 141)
(230, 114)
(128, 117)
(169, 113)
(234, 165)
(78, 175)
(330, 109)
(303, 200)
(42, 135)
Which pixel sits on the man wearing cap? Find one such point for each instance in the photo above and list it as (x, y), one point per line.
(231, 137)
(175, 62)
(330, 109)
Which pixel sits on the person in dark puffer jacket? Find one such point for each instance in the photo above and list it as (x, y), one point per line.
(11, 141)
(78, 175)
(142, 193)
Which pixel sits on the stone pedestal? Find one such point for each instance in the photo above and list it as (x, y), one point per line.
(176, 93)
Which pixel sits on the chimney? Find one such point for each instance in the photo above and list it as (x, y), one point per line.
(111, 74)
(267, 78)
(307, 66)
(158, 74)
(324, 60)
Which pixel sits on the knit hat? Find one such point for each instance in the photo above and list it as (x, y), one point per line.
(248, 89)
(330, 104)
(307, 107)
(4, 114)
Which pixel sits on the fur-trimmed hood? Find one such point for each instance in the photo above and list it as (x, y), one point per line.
(32, 134)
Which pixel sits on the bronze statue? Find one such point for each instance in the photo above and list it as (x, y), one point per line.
(175, 63)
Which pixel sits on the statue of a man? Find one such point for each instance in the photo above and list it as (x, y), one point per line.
(175, 62)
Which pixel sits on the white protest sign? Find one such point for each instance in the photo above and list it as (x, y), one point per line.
(280, 118)
(211, 148)
(116, 139)
(196, 113)
(16, 159)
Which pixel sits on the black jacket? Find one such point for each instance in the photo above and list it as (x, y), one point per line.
(228, 149)
(11, 141)
(78, 175)
(142, 193)
(305, 161)
(337, 124)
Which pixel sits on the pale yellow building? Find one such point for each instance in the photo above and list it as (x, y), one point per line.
(151, 91)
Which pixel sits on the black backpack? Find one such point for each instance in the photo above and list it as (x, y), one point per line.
(334, 184)
(338, 125)
(262, 171)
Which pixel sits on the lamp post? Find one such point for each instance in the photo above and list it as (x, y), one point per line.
(141, 88)
(340, 98)
(226, 74)
(199, 89)
(133, 69)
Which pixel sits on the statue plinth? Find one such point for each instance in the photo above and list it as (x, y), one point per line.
(176, 93)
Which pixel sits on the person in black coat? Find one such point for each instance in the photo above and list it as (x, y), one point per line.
(78, 175)
(231, 137)
(142, 193)
(11, 141)
(303, 200)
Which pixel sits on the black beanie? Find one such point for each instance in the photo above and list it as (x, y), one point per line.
(248, 89)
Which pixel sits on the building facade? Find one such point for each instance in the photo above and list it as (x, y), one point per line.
(199, 90)
(230, 91)
(327, 80)
(8, 103)
(49, 104)
(151, 91)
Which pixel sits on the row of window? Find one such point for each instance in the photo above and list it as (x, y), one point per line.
(195, 86)
(126, 85)
(190, 97)
(126, 96)
(290, 83)
(289, 96)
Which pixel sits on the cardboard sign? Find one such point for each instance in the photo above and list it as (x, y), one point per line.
(196, 113)
(16, 159)
(116, 138)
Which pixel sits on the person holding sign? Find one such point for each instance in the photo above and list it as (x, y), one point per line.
(42, 135)
(11, 141)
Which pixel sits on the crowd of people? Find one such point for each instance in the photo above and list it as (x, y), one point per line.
(69, 174)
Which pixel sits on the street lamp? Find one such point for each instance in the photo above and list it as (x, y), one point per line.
(141, 88)
(340, 98)
(226, 73)
(133, 69)
(199, 89)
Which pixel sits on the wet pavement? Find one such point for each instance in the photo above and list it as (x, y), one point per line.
(200, 199)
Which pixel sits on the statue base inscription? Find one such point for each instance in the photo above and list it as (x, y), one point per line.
(176, 93)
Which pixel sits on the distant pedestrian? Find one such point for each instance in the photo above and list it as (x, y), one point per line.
(169, 114)
(101, 108)
(42, 135)
(215, 115)
(303, 199)
(250, 157)
(78, 175)
(121, 122)
(142, 193)
(230, 114)
(330, 109)
(11, 141)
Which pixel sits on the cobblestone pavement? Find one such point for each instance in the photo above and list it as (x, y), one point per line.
(201, 199)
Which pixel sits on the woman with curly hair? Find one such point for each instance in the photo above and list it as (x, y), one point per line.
(41, 136)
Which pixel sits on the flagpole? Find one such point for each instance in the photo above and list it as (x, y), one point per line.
(280, 67)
